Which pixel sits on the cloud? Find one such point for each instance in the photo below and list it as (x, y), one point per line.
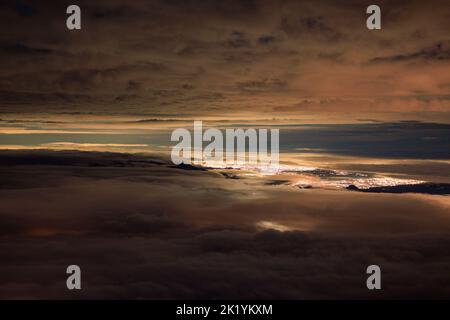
(237, 40)
(145, 230)
(320, 50)
(262, 85)
(264, 39)
(313, 26)
(439, 51)
(21, 49)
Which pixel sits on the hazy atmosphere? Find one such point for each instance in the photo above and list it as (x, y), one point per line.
(86, 175)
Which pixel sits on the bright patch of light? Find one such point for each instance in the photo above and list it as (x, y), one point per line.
(270, 225)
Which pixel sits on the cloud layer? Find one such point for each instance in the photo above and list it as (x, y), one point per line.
(141, 229)
(215, 58)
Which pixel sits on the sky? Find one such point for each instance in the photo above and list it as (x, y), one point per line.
(86, 176)
(304, 60)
